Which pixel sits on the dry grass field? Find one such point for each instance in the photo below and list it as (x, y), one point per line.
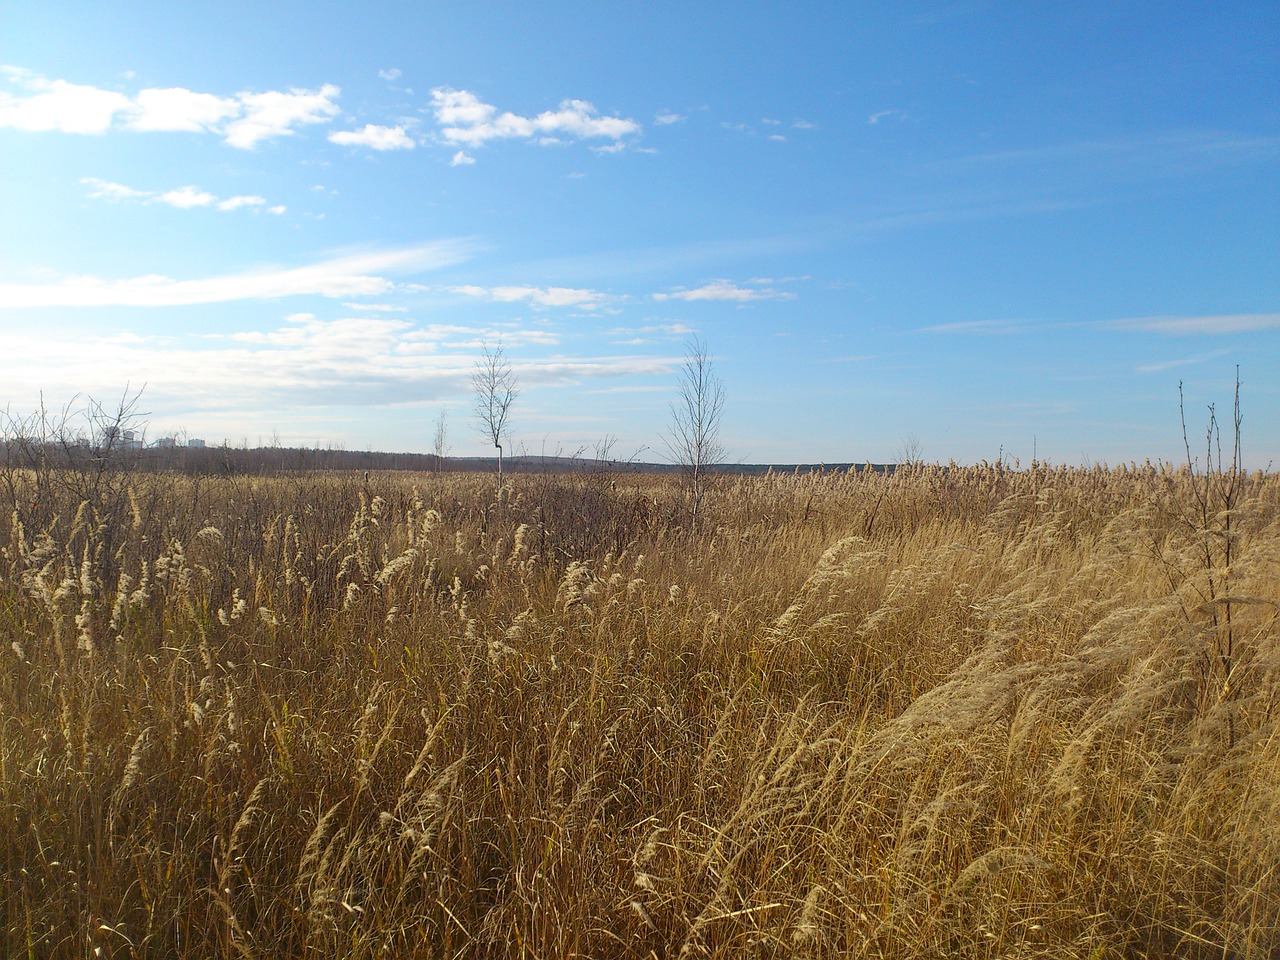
(967, 712)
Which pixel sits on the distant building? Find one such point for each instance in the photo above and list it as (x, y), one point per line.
(196, 442)
(132, 441)
(165, 443)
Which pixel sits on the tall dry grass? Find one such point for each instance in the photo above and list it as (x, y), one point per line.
(965, 712)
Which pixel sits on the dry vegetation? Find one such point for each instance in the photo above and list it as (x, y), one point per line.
(971, 712)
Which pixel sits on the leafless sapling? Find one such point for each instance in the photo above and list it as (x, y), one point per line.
(496, 389)
(693, 437)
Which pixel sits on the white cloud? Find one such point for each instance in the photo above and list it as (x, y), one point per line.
(667, 117)
(175, 108)
(466, 120)
(374, 137)
(105, 190)
(539, 296)
(804, 125)
(277, 209)
(880, 115)
(376, 307)
(62, 106)
(275, 114)
(235, 203)
(389, 75)
(184, 198)
(244, 120)
(355, 275)
(777, 138)
(462, 159)
(460, 108)
(724, 290)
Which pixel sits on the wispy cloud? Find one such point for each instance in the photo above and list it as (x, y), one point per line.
(243, 120)
(1203, 325)
(1207, 325)
(667, 117)
(374, 137)
(651, 333)
(1165, 155)
(105, 190)
(981, 327)
(1159, 366)
(301, 361)
(850, 358)
(539, 296)
(355, 275)
(725, 290)
(879, 115)
(466, 120)
(376, 307)
(669, 329)
(184, 198)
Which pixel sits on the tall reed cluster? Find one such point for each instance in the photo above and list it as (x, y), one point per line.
(971, 712)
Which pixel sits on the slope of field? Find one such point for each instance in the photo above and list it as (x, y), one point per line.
(968, 712)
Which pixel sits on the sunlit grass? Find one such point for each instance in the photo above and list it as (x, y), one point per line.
(966, 712)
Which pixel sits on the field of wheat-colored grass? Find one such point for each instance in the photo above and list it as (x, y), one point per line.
(966, 712)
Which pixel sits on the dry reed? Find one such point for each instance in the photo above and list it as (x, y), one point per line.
(970, 712)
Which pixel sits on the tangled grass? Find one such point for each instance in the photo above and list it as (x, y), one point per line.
(967, 712)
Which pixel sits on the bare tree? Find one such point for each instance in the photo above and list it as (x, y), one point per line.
(911, 451)
(440, 439)
(496, 390)
(693, 438)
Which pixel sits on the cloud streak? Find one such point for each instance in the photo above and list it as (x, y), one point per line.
(538, 296)
(1220, 324)
(1209, 325)
(184, 198)
(354, 361)
(725, 290)
(355, 275)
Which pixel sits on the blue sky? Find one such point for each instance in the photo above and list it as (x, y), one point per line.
(990, 227)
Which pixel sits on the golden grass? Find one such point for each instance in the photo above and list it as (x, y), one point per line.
(965, 712)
